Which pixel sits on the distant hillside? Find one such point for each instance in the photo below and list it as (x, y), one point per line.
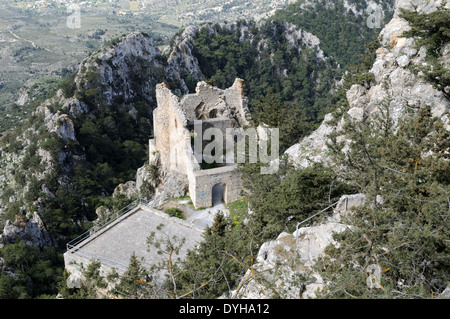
(342, 26)
(95, 126)
(36, 41)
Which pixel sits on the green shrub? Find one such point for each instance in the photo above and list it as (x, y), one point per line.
(174, 212)
(68, 85)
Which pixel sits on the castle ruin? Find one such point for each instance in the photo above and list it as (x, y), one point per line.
(172, 145)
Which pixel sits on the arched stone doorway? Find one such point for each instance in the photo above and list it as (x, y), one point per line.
(217, 194)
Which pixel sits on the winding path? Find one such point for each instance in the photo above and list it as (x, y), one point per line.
(32, 43)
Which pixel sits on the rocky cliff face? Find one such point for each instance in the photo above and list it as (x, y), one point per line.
(31, 232)
(118, 76)
(181, 60)
(183, 63)
(285, 263)
(29, 156)
(124, 71)
(394, 83)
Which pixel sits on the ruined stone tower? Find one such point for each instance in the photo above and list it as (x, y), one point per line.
(172, 146)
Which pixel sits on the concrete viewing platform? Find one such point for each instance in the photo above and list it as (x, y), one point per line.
(114, 245)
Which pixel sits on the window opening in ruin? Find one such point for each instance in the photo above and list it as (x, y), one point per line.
(212, 114)
(199, 112)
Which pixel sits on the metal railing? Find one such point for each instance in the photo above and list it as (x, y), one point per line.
(296, 227)
(92, 231)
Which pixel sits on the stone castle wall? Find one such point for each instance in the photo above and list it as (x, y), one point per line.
(211, 102)
(171, 135)
(174, 121)
(202, 182)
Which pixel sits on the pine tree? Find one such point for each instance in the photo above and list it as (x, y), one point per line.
(404, 229)
(433, 32)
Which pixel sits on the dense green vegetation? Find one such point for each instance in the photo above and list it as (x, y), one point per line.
(343, 38)
(37, 272)
(432, 31)
(290, 89)
(115, 144)
(403, 227)
(291, 80)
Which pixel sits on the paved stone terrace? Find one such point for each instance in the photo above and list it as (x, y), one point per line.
(115, 244)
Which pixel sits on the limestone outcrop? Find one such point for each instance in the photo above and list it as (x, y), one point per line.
(32, 232)
(286, 264)
(127, 189)
(394, 83)
(181, 60)
(59, 123)
(133, 59)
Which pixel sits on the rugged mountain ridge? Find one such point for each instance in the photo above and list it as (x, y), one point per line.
(183, 61)
(286, 265)
(393, 82)
(104, 78)
(119, 77)
(60, 162)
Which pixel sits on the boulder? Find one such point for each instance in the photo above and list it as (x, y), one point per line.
(128, 189)
(286, 264)
(31, 232)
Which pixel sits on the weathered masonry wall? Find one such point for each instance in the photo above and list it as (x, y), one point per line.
(173, 122)
(201, 185)
(172, 137)
(211, 102)
(219, 124)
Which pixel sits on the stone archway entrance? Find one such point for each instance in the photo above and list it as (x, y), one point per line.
(217, 194)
